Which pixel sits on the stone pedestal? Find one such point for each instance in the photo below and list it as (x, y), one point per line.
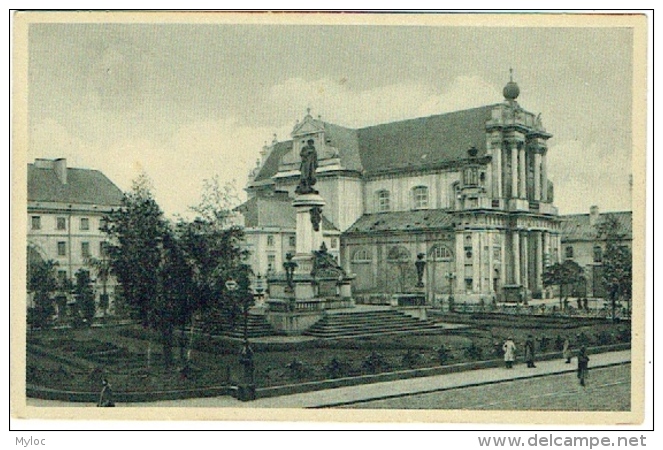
(308, 240)
(317, 282)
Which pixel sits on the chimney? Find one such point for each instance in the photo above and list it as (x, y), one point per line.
(60, 168)
(593, 215)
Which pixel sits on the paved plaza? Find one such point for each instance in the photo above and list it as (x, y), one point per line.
(608, 389)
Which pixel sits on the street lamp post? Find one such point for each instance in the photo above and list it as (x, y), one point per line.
(246, 389)
(451, 277)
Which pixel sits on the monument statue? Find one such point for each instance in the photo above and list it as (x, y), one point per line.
(307, 168)
(316, 217)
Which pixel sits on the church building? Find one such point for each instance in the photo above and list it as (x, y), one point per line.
(466, 191)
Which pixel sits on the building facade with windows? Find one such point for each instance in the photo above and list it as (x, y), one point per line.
(65, 210)
(468, 189)
(581, 243)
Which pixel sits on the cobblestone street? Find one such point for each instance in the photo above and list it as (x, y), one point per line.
(608, 389)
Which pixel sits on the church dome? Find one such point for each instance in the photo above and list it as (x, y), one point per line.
(511, 90)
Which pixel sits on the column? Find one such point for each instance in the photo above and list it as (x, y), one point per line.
(489, 255)
(544, 177)
(539, 260)
(514, 170)
(497, 171)
(476, 262)
(522, 165)
(537, 176)
(516, 257)
(460, 263)
(558, 242)
(504, 258)
(375, 262)
(524, 274)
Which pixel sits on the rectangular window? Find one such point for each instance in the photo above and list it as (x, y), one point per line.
(62, 248)
(102, 222)
(85, 224)
(271, 263)
(61, 223)
(85, 249)
(292, 241)
(383, 201)
(420, 197)
(36, 222)
(62, 276)
(468, 284)
(270, 241)
(334, 243)
(103, 248)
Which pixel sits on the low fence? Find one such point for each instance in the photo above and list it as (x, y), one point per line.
(537, 310)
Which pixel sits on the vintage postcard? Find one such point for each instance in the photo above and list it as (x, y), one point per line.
(434, 218)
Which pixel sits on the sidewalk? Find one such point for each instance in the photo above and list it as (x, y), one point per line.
(354, 394)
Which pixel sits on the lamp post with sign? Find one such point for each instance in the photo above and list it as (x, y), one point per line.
(246, 389)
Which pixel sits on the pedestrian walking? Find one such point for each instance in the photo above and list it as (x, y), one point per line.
(106, 396)
(529, 352)
(509, 350)
(583, 365)
(566, 350)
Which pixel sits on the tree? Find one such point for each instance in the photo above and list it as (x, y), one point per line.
(563, 274)
(84, 295)
(617, 261)
(136, 252)
(102, 269)
(212, 250)
(216, 201)
(42, 283)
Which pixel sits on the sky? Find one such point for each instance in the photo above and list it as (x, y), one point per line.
(187, 102)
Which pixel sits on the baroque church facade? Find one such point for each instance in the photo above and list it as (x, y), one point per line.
(466, 191)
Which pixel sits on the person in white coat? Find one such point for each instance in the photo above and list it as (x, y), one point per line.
(509, 349)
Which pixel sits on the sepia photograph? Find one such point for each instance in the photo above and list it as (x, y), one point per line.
(340, 217)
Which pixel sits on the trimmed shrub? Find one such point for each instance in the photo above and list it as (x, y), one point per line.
(443, 354)
(473, 351)
(337, 368)
(375, 363)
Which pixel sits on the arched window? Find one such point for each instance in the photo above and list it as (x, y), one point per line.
(398, 254)
(420, 197)
(362, 255)
(569, 252)
(598, 254)
(383, 201)
(440, 253)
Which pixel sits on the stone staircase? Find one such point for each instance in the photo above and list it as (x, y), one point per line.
(353, 324)
(219, 324)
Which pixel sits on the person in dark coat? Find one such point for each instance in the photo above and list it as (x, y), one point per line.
(566, 350)
(106, 396)
(583, 365)
(529, 351)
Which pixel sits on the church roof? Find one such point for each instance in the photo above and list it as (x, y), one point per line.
(274, 211)
(83, 186)
(576, 227)
(425, 219)
(407, 144)
(271, 165)
(423, 141)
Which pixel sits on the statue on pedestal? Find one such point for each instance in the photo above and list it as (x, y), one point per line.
(307, 168)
